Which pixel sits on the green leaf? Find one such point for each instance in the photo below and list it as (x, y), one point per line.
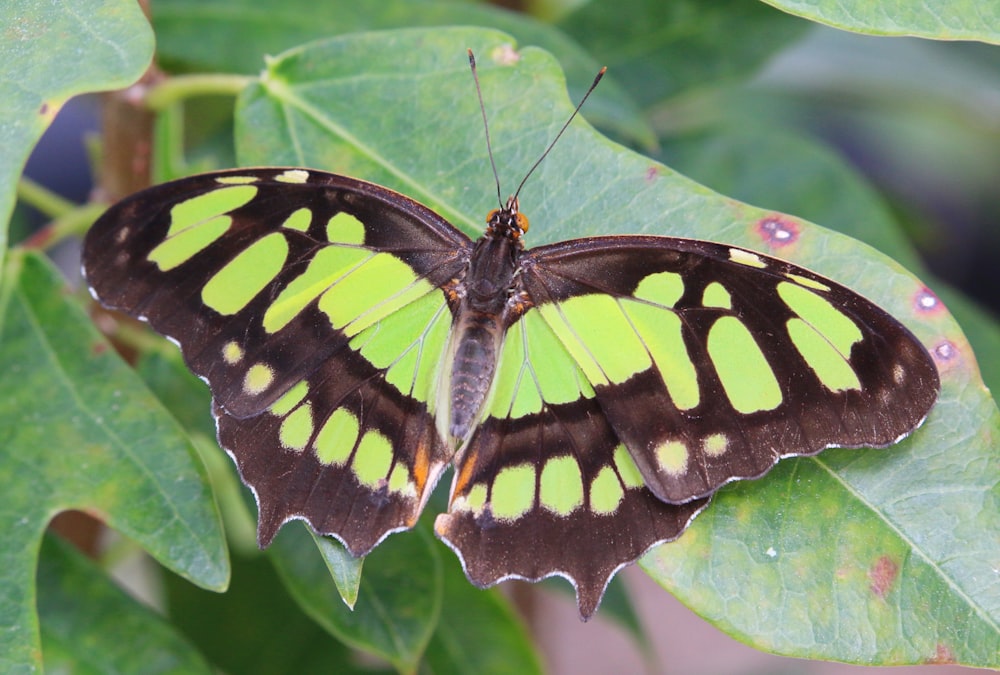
(89, 625)
(962, 20)
(345, 569)
(478, 632)
(399, 600)
(934, 494)
(234, 36)
(661, 49)
(255, 627)
(51, 50)
(789, 172)
(78, 431)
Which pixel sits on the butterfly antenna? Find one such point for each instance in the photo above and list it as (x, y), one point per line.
(579, 105)
(486, 126)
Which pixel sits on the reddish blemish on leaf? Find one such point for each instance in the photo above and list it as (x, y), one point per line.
(926, 302)
(883, 575)
(942, 655)
(777, 231)
(98, 348)
(945, 352)
(44, 109)
(651, 174)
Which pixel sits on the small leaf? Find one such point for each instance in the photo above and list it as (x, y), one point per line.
(344, 568)
(399, 600)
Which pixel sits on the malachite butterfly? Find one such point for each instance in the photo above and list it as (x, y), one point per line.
(592, 394)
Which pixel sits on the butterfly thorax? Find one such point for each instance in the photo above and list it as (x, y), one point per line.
(484, 313)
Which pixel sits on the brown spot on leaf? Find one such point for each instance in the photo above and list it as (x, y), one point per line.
(651, 174)
(98, 348)
(883, 575)
(942, 656)
(777, 231)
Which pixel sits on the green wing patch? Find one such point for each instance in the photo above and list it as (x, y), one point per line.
(720, 361)
(312, 305)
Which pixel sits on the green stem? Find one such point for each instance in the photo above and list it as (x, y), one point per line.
(43, 199)
(180, 87)
(73, 223)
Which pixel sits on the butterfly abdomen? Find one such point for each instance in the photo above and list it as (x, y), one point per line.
(477, 334)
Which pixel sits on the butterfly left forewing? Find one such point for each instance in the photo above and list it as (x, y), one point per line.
(712, 362)
(313, 306)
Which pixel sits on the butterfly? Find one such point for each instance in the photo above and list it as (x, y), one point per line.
(591, 395)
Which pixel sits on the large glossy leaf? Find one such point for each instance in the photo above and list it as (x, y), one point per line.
(234, 36)
(929, 503)
(91, 625)
(51, 50)
(69, 441)
(963, 20)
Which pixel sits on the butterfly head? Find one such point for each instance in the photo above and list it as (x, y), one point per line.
(507, 222)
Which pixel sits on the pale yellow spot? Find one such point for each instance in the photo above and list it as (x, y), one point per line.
(898, 374)
(806, 281)
(232, 353)
(627, 469)
(373, 459)
(672, 457)
(293, 176)
(399, 481)
(513, 492)
(561, 486)
(235, 180)
(344, 228)
(290, 399)
(738, 255)
(474, 500)
(715, 445)
(716, 295)
(337, 438)
(606, 492)
(298, 220)
(258, 378)
(296, 429)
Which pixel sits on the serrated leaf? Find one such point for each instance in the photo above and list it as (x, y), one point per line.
(314, 107)
(78, 431)
(51, 50)
(234, 35)
(91, 625)
(963, 20)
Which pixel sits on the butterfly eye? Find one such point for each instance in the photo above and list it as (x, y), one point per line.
(522, 222)
(491, 215)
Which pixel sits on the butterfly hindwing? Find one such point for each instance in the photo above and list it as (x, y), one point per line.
(712, 362)
(553, 491)
(312, 305)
